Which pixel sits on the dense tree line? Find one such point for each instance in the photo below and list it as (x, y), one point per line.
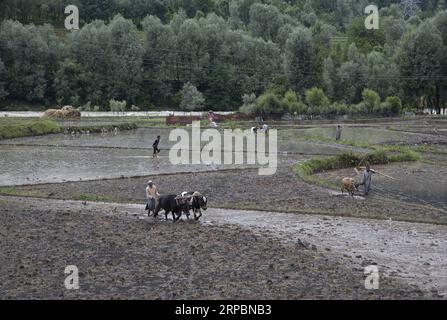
(301, 56)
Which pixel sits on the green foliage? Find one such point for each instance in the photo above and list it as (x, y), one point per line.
(249, 103)
(299, 59)
(292, 103)
(91, 197)
(366, 40)
(393, 105)
(371, 100)
(3, 92)
(117, 106)
(348, 160)
(28, 128)
(269, 103)
(192, 99)
(316, 99)
(227, 48)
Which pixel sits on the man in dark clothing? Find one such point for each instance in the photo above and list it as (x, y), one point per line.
(155, 145)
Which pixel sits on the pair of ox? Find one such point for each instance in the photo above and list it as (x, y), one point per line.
(179, 204)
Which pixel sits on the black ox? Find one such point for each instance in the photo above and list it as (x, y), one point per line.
(177, 205)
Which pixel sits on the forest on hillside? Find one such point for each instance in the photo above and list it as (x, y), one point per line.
(273, 56)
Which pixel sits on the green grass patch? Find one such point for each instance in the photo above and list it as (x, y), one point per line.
(308, 169)
(91, 197)
(27, 128)
(13, 191)
(323, 138)
(100, 128)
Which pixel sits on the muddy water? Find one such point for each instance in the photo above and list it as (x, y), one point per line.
(32, 165)
(143, 138)
(415, 182)
(414, 252)
(63, 157)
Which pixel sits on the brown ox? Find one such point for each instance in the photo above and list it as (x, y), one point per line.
(349, 185)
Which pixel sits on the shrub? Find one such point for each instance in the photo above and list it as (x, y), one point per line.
(269, 103)
(87, 107)
(191, 98)
(394, 105)
(340, 108)
(316, 100)
(371, 100)
(117, 106)
(249, 103)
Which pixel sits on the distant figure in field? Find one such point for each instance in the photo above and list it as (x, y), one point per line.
(211, 116)
(338, 133)
(155, 146)
(151, 197)
(265, 128)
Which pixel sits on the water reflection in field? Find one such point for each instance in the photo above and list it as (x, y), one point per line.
(63, 157)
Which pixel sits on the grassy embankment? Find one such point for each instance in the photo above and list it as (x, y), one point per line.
(15, 128)
(384, 155)
(26, 128)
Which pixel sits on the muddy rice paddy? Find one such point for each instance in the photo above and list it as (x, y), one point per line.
(263, 237)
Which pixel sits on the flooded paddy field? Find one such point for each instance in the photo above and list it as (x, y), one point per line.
(66, 157)
(307, 235)
(415, 182)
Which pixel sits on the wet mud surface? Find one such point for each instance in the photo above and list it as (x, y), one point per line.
(120, 254)
(245, 189)
(284, 238)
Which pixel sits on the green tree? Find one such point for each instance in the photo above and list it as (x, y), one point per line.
(365, 40)
(292, 103)
(68, 83)
(3, 92)
(298, 59)
(192, 99)
(265, 21)
(249, 103)
(371, 100)
(351, 77)
(394, 105)
(268, 103)
(316, 99)
(420, 61)
(112, 58)
(30, 55)
(117, 106)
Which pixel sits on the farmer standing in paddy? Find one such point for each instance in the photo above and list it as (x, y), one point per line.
(155, 146)
(151, 197)
(366, 181)
(338, 133)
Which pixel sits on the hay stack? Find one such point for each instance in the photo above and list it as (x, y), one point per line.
(66, 112)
